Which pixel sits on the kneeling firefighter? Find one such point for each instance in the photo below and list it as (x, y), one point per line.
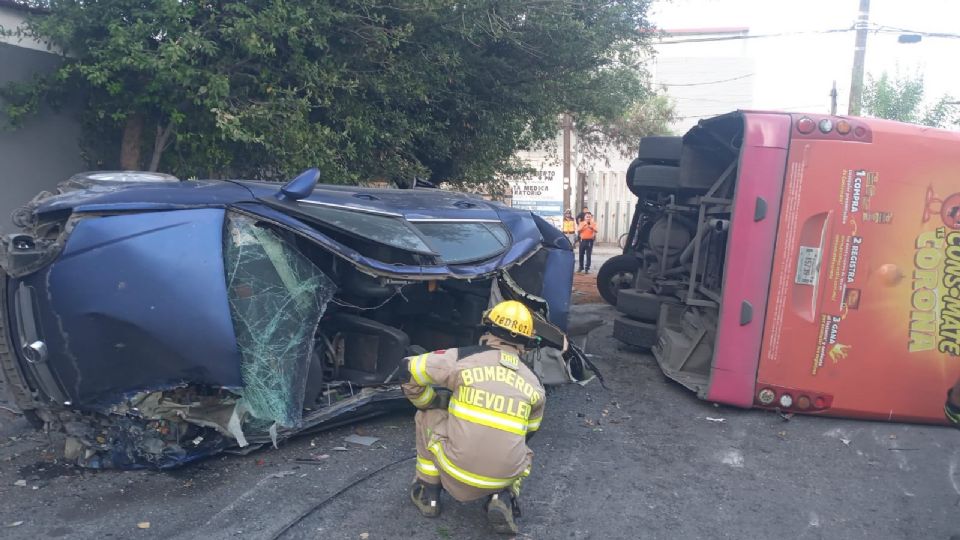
(473, 427)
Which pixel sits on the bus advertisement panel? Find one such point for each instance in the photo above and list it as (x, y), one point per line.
(863, 316)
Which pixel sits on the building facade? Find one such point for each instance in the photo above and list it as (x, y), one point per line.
(44, 151)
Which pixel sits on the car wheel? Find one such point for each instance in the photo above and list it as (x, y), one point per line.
(616, 274)
(636, 333)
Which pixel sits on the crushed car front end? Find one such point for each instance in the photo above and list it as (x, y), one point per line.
(152, 324)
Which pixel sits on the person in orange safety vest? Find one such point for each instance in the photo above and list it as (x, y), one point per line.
(477, 408)
(587, 230)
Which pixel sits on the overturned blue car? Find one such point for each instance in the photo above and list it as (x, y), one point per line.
(152, 321)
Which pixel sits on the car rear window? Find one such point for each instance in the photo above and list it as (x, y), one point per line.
(464, 242)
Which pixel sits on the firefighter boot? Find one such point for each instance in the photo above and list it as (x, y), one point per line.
(500, 512)
(426, 497)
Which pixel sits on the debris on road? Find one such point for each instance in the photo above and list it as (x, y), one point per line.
(361, 439)
(143, 525)
(14, 524)
(11, 411)
(312, 458)
(718, 420)
(586, 381)
(20, 483)
(340, 448)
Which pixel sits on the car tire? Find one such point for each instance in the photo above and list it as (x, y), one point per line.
(616, 274)
(640, 305)
(636, 333)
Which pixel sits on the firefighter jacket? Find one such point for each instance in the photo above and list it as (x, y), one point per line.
(496, 400)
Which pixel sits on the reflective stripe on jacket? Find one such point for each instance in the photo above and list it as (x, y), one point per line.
(496, 401)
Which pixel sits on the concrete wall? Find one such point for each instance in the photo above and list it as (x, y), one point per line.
(44, 151)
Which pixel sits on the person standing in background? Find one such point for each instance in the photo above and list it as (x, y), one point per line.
(583, 212)
(569, 227)
(587, 230)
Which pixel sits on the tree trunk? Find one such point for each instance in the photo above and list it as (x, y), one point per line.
(131, 143)
(160, 144)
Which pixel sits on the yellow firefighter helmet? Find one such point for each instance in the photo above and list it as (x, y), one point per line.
(511, 316)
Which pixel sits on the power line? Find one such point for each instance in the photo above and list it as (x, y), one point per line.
(754, 36)
(896, 30)
(775, 109)
(707, 82)
(713, 99)
(875, 29)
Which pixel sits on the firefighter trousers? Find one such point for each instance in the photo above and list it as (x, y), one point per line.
(431, 427)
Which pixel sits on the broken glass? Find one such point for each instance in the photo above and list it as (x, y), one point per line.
(277, 296)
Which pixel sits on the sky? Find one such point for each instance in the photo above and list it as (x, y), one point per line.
(796, 71)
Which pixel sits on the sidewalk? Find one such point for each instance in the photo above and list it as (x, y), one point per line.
(585, 285)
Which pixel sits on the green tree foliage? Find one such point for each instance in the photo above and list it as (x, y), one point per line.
(901, 98)
(651, 116)
(447, 90)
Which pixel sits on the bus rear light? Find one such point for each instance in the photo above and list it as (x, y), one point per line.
(806, 125)
(766, 396)
(792, 399)
(831, 128)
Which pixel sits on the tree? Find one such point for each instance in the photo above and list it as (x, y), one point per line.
(651, 116)
(444, 89)
(902, 98)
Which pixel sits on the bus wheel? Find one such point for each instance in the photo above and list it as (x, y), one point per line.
(615, 274)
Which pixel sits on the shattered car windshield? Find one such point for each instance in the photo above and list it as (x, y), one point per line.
(464, 242)
(390, 230)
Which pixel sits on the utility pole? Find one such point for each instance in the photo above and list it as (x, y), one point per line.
(567, 128)
(833, 99)
(859, 52)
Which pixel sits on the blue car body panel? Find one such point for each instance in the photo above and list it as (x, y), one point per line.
(557, 284)
(132, 197)
(152, 309)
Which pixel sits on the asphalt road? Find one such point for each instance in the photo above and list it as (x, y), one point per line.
(645, 459)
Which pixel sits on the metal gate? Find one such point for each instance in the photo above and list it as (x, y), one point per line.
(611, 203)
